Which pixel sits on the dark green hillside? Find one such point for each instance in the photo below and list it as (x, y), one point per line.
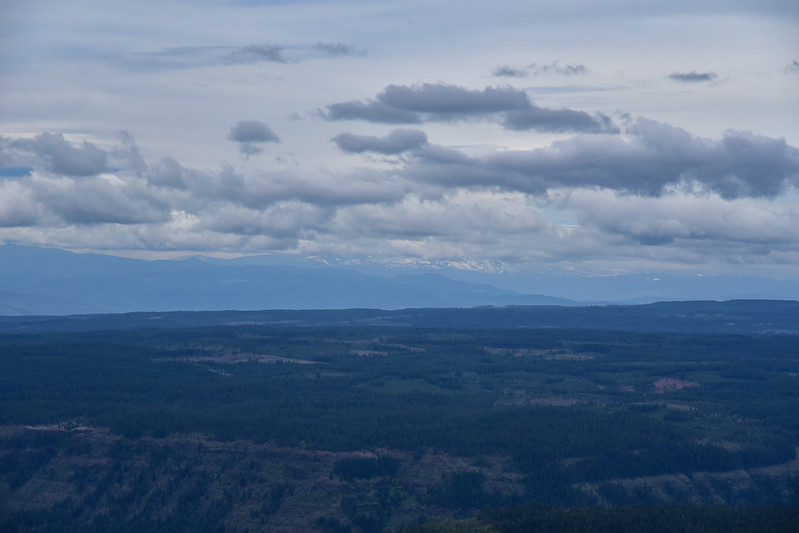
(373, 428)
(652, 519)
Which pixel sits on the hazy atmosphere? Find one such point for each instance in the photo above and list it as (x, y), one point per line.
(584, 137)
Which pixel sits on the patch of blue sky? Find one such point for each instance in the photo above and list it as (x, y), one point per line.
(15, 172)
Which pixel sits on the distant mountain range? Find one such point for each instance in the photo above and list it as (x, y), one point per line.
(57, 282)
(47, 281)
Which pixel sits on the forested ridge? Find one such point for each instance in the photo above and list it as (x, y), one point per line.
(651, 519)
(371, 428)
(728, 317)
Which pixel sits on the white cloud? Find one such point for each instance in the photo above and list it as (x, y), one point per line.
(702, 219)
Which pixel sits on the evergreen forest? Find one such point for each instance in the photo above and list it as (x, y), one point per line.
(252, 426)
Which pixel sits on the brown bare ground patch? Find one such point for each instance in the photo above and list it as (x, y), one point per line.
(547, 354)
(368, 353)
(700, 487)
(230, 357)
(551, 401)
(670, 385)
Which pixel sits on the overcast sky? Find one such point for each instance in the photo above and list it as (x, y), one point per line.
(581, 136)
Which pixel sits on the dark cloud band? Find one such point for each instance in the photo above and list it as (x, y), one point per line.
(693, 77)
(397, 142)
(536, 69)
(255, 54)
(402, 104)
(651, 158)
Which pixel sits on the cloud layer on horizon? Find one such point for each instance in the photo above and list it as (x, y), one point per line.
(654, 185)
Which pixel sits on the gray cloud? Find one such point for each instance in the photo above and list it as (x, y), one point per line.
(401, 104)
(285, 220)
(248, 149)
(51, 151)
(255, 53)
(555, 67)
(651, 158)
(99, 201)
(506, 71)
(65, 158)
(398, 141)
(56, 200)
(167, 173)
(249, 133)
(792, 68)
(370, 112)
(442, 100)
(193, 190)
(252, 131)
(693, 77)
(166, 204)
(338, 49)
(558, 120)
(537, 69)
(130, 152)
(187, 57)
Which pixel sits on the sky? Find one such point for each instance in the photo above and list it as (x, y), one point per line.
(573, 136)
